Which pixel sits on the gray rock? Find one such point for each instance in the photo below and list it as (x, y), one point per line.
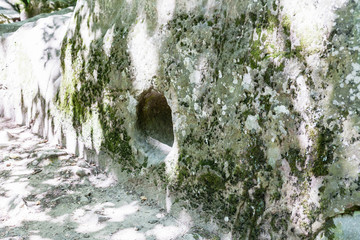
(347, 226)
(102, 219)
(81, 173)
(35, 163)
(84, 200)
(153, 221)
(188, 237)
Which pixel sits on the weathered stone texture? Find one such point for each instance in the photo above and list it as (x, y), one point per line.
(264, 99)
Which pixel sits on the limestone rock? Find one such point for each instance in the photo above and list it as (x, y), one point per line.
(248, 108)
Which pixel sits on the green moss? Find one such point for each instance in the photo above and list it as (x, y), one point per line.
(281, 67)
(274, 5)
(116, 139)
(246, 223)
(183, 174)
(265, 103)
(324, 151)
(286, 24)
(85, 92)
(279, 221)
(276, 196)
(212, 181)
(76, 41)
(239, 174)
(253, 196)
(79, 111)
(298, 52)
(252, 16)
(255, 152)
(255, 53)
(273, 22)
(263, 38)
(64, 46)
(233, 201)
(329, 227)
(240, 20)
(295, 158)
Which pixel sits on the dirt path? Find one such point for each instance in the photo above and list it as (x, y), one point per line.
(45, 193)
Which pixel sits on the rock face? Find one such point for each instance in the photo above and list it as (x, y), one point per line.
(30, 70)
(248, 109)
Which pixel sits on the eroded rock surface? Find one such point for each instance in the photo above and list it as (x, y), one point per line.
(263, 97)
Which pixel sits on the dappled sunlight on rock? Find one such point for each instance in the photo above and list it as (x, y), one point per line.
(74, 172)
(20, 212)
(53, 182)
(119, 214)
(93, 218)
(60, 219)
(128, 234)
(12, 204)
(87, 221)
(183, 226)
(166, 232)
(4, 137)
(20, 168)
(185, 221)
(36, 237)
(168, 119)
(102, 180)
(20, 189)
(49, 194)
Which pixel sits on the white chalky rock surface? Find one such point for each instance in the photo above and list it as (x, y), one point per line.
(264, 102)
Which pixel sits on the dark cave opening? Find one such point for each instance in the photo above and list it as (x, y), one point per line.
(154, 118)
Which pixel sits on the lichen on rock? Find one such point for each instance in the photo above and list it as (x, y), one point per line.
(248, 110)
(250, 87)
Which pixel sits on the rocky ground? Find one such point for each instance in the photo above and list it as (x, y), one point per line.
(46, 193)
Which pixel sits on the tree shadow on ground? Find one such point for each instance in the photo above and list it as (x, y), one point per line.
(48, 194)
